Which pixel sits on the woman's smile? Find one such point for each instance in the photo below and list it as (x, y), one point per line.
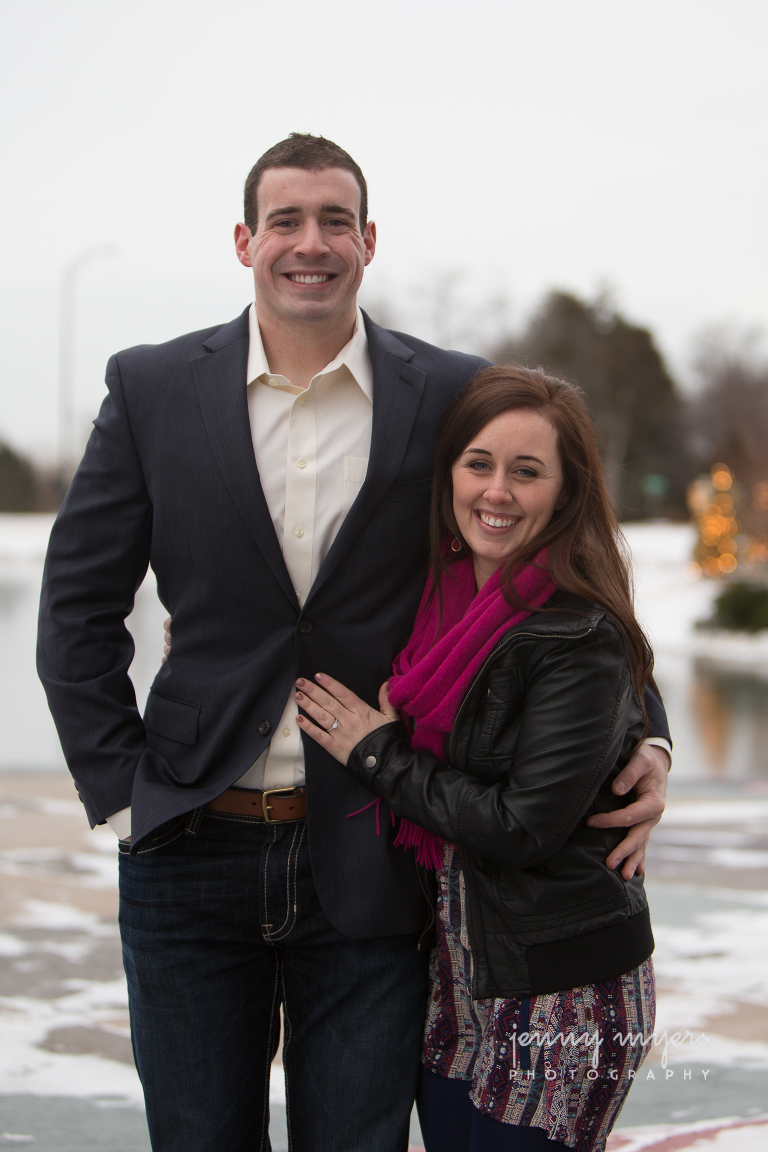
(494, 522)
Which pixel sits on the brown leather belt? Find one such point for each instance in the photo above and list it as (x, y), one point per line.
(275, 805)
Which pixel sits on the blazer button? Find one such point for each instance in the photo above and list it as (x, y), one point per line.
(305, 627)
(265, 727)
(370, 761)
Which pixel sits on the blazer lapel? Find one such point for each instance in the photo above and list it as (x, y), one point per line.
(220, 382)
(397, 389)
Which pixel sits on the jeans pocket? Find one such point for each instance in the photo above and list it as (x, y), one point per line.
(166, 833)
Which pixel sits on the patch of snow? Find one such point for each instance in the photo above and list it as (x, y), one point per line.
(10, 946)
(86, 869)
(722, 811)
(41, 914)
(702, 969)
(24, 537)
(738, 858)
(26, 1068)
(53, 807)
(669, 602)
(277, 1085)
(729, 1134)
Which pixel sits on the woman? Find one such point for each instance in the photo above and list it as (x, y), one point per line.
(519, 698)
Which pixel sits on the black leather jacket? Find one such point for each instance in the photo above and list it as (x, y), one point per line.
(547, 723)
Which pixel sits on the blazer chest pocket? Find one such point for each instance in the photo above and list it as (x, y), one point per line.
(171, 719)
(409, 490)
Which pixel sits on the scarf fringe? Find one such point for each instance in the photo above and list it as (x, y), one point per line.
(429, 848)
(377, 802)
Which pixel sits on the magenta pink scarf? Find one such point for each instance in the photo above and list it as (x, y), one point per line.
(433, 672)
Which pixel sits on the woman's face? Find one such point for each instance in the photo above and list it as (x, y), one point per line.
(506, 485)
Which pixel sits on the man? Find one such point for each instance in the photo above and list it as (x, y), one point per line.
(275, 471)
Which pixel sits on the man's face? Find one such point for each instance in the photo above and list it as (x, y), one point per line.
(308, 253)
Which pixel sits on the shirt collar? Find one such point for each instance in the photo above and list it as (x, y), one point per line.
(354, 355)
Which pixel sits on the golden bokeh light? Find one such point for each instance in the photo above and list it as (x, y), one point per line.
(697, 495)
(758, 554)
(731, 524)
(722, 480)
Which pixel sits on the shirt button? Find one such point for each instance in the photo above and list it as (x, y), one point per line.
(272, 382)
(265, 727)
(370, 761)
(286, 731)
(305, 627)
(302, 463)
(298, 532)
(303, 401)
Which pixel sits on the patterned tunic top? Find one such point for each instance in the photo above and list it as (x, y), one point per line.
(563, 1062)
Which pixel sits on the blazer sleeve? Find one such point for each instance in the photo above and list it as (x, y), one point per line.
(658, 725)
(97, 557)
(572, 730)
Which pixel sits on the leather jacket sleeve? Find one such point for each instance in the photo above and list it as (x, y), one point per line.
(577, 710)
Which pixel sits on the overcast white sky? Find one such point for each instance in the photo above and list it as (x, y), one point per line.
(525, 143)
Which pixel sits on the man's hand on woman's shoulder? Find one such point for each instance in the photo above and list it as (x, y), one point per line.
(647, 773)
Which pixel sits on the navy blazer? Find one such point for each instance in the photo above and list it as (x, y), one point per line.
(169, 478)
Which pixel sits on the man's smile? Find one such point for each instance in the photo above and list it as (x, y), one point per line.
(310, 277)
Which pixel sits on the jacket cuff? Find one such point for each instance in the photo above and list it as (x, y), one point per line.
(367, 757)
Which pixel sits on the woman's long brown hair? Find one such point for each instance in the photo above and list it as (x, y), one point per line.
(588, 555)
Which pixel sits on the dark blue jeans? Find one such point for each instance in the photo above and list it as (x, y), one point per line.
(221, 924)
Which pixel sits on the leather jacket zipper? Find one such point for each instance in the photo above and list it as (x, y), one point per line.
(492, 656)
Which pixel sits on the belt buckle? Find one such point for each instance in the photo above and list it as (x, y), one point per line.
(267, 807)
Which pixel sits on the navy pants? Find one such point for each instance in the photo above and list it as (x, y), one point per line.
(221, 924)
(451, 1123)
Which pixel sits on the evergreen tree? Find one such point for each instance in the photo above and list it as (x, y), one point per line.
(18, 484)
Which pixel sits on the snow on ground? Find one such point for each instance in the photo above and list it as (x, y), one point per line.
(31, 1025)
(24, 537)
(729, 1135)
(669, 601)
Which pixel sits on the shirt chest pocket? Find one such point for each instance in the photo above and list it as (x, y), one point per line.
(355, 468)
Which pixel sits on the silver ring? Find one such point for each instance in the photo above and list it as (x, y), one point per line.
(334, 725)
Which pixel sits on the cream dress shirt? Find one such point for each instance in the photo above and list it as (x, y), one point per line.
(311, 449)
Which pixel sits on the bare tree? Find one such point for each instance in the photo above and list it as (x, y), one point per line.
(730, 413)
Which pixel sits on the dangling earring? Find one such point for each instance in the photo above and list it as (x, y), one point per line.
(456, 546)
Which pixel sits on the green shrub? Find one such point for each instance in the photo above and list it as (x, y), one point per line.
(741, 607)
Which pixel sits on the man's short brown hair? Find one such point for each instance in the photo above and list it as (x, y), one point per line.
(313, 154)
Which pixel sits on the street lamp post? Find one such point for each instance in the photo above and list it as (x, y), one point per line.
(67, 329)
